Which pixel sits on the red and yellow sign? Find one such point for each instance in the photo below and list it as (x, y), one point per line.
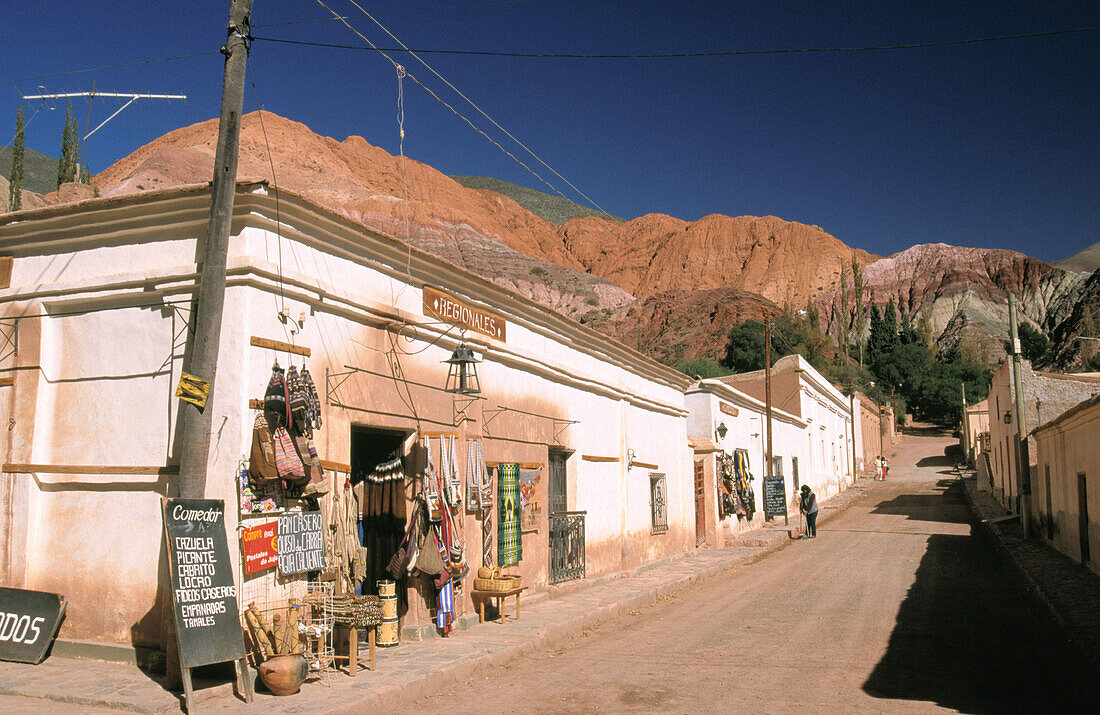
(445, 307)
(261, 547)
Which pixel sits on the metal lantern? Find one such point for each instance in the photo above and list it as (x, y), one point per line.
(721, 430)
(462, 373)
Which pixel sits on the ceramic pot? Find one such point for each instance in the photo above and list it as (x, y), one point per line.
(284, 674)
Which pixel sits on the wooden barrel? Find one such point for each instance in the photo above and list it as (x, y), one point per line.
(387, 632)
(386, 587)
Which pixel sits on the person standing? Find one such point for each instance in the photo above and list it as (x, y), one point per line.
(885, 468)
(808, 506)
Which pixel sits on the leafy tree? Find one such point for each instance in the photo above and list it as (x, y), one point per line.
(703, 367)
(1094, 363)
(18, 150)
(1034, 346)
(745, 347)
(70, 149)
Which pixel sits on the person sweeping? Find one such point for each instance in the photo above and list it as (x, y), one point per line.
(808, 506)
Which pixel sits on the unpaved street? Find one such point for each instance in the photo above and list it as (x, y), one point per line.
(897, 606)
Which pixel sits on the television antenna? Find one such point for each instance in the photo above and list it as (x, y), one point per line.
(131, 97)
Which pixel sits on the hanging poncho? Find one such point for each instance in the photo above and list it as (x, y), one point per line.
(509, 539)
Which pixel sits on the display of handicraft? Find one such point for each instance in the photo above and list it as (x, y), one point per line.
(735, 486)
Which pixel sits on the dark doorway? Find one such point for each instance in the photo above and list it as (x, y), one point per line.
(567, 540)
(378, 471)
(700, 505)
(794, 472)
(1083, 516)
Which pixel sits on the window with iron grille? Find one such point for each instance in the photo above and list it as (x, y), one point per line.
(658, 503)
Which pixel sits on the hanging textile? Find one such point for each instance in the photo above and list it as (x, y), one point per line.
(743, 482)
(473, 478)
(509, 538)
(432, 498)
(454, 478)
(384, 517)
(445, 613)
(730, 497)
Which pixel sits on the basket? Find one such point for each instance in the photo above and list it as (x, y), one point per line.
(498, 582)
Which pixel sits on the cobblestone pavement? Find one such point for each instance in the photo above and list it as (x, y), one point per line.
(410, 669)
(1070, 590)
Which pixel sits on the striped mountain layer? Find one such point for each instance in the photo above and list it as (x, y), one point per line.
(671, 288)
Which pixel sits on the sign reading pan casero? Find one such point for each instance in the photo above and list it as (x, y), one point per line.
(447, 307)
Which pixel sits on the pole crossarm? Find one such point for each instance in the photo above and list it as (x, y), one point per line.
(132, 96)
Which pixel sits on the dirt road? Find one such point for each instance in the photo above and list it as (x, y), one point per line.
(899, 605)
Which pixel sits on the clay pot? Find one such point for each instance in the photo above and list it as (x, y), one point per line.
(284, 674)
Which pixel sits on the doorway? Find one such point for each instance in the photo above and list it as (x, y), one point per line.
(378, 473)
(700, 505)
(1083, 517)
(567, 539)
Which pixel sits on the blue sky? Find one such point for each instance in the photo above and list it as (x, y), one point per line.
(991, 144)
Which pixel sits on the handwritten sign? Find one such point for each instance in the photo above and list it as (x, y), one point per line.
(261, 548)
(28, 623)
(447, 307)
(775, 497)
(301, 543)
(201, 576)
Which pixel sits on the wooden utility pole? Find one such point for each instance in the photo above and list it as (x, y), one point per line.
(1023, 457)
(194, 448)
(768, 392)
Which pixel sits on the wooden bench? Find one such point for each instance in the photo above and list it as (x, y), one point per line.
(498, 597)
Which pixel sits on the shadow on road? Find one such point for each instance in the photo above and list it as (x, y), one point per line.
(939, 461)
(969, 636)
(948, 506)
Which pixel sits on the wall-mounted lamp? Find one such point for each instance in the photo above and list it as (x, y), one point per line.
(462, 373)
(1008, 417)
(721, 430)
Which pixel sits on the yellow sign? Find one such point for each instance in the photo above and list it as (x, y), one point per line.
(446, 307)
(193, 389)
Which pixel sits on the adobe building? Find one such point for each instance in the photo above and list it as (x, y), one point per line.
(1066, 492)
(1045, 396)
(96, 323)
(975, 423)
(800, 390)
(725, 423)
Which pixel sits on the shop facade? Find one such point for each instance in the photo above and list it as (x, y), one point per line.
(728, 429)
(591, 435)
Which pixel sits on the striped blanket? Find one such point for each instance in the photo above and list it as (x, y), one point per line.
(509, 539)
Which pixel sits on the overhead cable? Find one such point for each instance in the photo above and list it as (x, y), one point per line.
(670, 55)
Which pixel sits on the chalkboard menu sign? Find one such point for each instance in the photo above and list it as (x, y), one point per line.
(28, 623)
(775, 497)
(301, 542)
(204, 594)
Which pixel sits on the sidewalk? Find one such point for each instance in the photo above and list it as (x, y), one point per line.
(1069, 590)
(416, 668)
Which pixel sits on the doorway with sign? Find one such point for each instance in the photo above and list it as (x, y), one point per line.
(378, 473)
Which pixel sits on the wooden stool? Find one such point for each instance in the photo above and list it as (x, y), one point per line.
(498, 597)
(353, 650)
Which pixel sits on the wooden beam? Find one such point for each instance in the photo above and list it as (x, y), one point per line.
(17, 468)
(7, 381)
(336, 466)
(644, 465)
(521, 465)
(254, 404)
(597, 458)
(280, 346)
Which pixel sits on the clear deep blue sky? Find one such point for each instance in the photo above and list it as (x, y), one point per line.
(993, 144)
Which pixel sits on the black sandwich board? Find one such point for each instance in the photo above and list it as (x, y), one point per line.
(775, 497)
(204, 592)
(28, 623)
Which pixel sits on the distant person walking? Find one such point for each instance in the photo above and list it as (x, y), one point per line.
(808, 506)
(885, 468)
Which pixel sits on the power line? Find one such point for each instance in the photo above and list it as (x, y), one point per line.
(111, 67)
(671, 55)
(401, 12)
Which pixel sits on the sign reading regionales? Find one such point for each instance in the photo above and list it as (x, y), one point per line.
(446, 307)
(204, 594)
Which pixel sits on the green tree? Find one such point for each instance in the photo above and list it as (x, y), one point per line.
(1034, 346)
(704, 367)
(18, 151)
(70, 147)
(745, 347)
(1094, 363)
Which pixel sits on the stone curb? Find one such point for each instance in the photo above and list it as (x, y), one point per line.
(995, 535)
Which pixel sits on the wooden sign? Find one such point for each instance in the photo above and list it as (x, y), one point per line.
(301, 542)
(261, 548)
(446, 307)
(204, 594)
(775, 497)
(728, 408)
(28, 623)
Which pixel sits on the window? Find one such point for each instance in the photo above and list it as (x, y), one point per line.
(658, 503)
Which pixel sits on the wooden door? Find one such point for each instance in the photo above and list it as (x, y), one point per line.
(700, 505)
